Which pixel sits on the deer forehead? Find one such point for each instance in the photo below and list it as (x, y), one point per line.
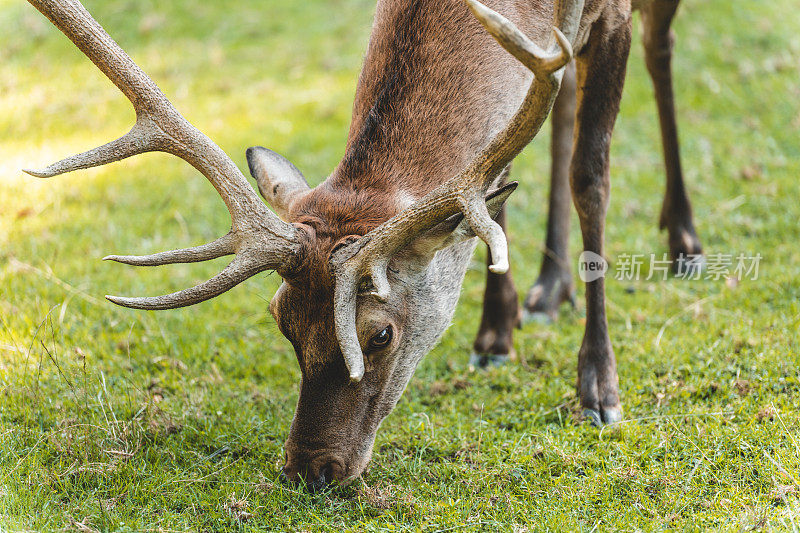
(304, 313)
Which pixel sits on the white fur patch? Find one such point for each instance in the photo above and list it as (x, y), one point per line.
(404, 199)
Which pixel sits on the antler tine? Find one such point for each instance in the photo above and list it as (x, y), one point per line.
(225, 245)
(160, 127)
(465, 192)
(132, 143)
(547, 69)
(517, 44)
(238, 270)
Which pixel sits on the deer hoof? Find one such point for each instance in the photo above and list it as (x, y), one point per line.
(604, 417)
(486, 360)
(545, 298)
(612, 415)
(536, 317)
(593, 417)
(686, 251)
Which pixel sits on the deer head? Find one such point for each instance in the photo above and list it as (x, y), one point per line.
(369, 284)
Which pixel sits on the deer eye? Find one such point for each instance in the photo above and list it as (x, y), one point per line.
(382, 339)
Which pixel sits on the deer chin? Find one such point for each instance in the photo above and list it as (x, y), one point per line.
(332, 433)
(321, 467)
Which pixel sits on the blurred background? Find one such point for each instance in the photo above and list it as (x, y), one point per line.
(104, 411)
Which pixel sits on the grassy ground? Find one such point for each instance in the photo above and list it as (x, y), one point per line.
(113, 419)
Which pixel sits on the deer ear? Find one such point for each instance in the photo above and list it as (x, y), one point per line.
(278, 179)
(456, 229)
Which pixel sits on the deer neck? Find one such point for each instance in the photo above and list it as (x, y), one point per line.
(433, 91)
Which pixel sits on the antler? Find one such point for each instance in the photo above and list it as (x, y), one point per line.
(367, 259)
(260, 240)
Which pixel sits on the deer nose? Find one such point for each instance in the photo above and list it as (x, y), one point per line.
(290, 475)
(323, 479)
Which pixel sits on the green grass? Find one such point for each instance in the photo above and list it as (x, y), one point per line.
(113, 419)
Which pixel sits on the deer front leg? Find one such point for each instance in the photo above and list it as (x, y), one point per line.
(676, 211)
(554, 285)
(494, 343)
(601, 75)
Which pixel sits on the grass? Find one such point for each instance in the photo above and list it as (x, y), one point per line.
(112, 419)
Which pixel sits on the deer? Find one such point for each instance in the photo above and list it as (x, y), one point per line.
(372, 259)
